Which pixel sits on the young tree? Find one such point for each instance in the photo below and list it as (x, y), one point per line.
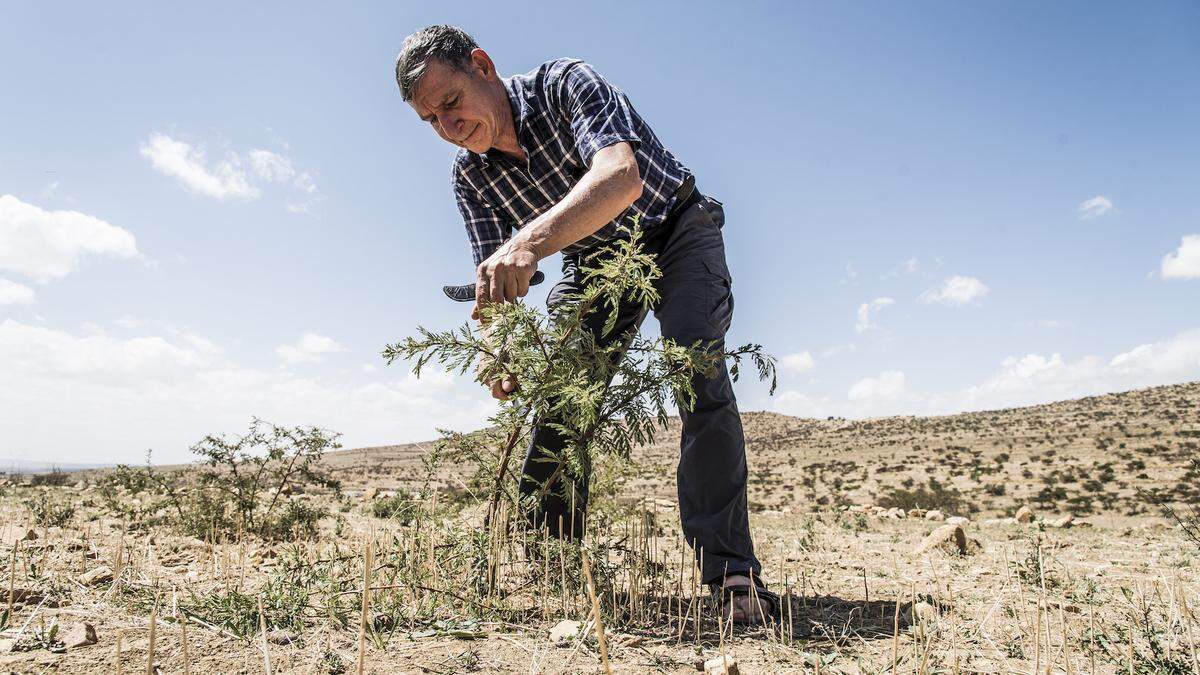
(607, 397)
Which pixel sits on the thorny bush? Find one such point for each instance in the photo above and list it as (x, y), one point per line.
(608, 401)
(244, 485)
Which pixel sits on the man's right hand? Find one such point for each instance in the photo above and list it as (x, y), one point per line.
(505, 275)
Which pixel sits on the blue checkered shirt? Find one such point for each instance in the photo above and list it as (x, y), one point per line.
(564, 112)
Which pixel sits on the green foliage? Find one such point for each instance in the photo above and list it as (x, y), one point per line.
(245, 485)
(607, 402)
(933, 495)
(49, 512)
(398, 506)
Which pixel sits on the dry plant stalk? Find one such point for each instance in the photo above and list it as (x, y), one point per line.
(266, 647)
(366, 607)
(599, 623)
(183, 638)
(153, 636)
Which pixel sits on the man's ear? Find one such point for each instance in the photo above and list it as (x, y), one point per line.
(483, 63)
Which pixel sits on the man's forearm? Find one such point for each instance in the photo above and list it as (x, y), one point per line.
(609, 187)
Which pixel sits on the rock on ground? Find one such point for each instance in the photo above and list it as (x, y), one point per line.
(951, 537)
(565, 631)
(721, 665)
(1024, 515)
(96, 575)
(80, 635)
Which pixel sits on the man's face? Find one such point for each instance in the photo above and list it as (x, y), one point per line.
(463, 107)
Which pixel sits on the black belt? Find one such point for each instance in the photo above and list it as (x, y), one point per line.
(685, 198)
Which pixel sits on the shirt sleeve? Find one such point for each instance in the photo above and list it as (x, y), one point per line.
(486, 230)
(601, 115)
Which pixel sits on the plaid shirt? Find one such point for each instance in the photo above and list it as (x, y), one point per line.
(564, 112)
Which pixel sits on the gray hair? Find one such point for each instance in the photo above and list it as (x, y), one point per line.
(447, 44)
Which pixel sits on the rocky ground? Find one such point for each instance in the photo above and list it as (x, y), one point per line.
(1023, 540)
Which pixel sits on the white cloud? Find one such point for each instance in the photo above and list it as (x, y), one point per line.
(956, 291)
(890, 384)
(798, 363)
(272, 167)
(867, 312)
(1184, 262)
(91, 396)
(182, 161)
(234, 177)
(1030, 379)
(1094, 208)
(12, 293)
(96, 355)
(46, 245)
(310, 348)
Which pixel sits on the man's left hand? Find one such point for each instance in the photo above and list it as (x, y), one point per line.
(504, 276)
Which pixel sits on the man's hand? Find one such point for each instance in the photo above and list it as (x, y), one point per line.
(502, 386)
(505, 275)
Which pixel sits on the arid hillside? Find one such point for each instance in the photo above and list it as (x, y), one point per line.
(1030, 540)
(1110, 455)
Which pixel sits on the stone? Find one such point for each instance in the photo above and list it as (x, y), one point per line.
(370, 493)
(1066, 521)
(935, 514)
(916, 513)
(922, 612)
(280, 636)
(721, 665)
(7, 645)
(1024, 515)
(80, 635)
(958, 520)
(951, 537)
(565, 631)
(96, 575)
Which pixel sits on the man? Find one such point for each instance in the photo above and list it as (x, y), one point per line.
(551, 161)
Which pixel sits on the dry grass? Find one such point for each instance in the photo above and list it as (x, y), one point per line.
(1116, 593)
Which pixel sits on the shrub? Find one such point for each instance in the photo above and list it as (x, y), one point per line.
(933, 495)
(607, 400)
(243, 486)
(48, 512)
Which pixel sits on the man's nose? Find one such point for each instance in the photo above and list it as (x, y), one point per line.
(452, 127)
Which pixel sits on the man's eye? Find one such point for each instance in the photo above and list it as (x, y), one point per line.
(452, 103)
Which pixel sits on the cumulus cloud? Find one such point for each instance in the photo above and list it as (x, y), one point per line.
(1028, 379)
(867, 313)
(1094, 208)
(188, 164)
(956, 291)
(310, 348)
(78, 395)
(890, 384)
(1184, 262)
(46, 245)
(798, 363)
(234, 177)
(12, 293)
(272, 167)
(98, 355)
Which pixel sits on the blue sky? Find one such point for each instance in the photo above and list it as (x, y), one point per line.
(212, 212)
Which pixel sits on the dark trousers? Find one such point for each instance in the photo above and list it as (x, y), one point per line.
(696, 304)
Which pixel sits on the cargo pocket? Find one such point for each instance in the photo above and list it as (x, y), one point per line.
(720, 296)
